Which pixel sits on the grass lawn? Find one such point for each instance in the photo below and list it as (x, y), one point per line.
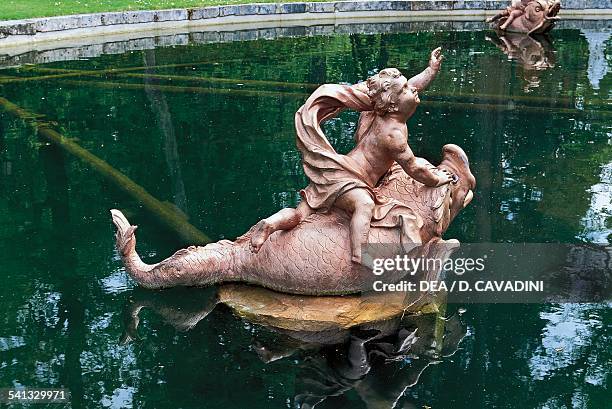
(18, 9)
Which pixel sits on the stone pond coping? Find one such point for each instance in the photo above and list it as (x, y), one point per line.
(70, 50)
(39, 30)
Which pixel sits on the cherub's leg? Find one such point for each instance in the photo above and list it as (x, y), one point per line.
(284, 219)
(514, 14)
(360, 204)
(497, 16)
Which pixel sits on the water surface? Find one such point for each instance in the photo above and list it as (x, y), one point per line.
(223, 152)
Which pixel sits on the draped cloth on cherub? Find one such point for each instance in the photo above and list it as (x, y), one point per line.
(332, 174)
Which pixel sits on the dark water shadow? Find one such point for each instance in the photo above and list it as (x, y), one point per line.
(376, 360)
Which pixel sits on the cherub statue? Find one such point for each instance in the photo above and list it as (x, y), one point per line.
(387, 100)
(515, 10)
(527, 16)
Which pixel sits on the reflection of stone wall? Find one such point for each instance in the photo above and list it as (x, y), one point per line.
(121, 46)
(598, 65)
(35, 29)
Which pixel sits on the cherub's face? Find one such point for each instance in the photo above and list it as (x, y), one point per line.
(408, 96)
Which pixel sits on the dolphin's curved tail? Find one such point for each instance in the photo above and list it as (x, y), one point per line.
(193, 266)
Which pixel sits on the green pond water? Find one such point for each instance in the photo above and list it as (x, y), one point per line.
(223, 153)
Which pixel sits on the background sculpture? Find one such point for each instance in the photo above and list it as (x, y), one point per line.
(527, 16)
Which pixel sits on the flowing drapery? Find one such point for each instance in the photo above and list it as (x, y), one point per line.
(331, 174)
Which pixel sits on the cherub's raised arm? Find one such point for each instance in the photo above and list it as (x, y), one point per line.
(421, 170)
(422, 80)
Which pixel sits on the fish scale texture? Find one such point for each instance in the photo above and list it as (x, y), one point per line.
(314, 257)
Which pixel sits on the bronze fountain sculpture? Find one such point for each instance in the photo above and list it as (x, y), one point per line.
(378, 193)
(527, 16)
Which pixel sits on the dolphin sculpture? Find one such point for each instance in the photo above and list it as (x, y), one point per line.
(314, 257)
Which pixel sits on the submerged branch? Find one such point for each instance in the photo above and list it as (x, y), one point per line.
(128, 72)
(181, 89)
(468, 106)
(168, 216)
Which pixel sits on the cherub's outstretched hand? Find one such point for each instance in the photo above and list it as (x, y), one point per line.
(436, 59)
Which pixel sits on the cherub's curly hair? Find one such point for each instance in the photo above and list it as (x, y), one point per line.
(381, 92)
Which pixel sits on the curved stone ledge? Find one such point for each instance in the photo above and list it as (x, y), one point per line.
(120, 44)
(31, 31)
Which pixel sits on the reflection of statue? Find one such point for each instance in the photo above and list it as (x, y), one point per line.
(372, 343)
(379, 363)
(316, 255)
(534, 53)
(527, 16)
(372, 346)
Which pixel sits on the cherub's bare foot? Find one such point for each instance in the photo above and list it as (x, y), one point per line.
(504, 26)
(356, 257)
(262, 231)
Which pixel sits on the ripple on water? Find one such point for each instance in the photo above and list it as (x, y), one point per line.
(116, 283)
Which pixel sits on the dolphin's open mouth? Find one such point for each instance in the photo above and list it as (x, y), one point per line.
(553, 11)
(549, 18)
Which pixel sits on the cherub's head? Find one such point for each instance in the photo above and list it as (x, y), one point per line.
(390, 92)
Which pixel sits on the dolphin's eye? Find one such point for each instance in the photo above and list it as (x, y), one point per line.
(538, 9)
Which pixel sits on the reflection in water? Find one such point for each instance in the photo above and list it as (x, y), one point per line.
(183, 313)
(598, 64)
(379, 360)
(160, 107)
(570, 339)
(379, 364)
(534, 53)
(596, 222)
